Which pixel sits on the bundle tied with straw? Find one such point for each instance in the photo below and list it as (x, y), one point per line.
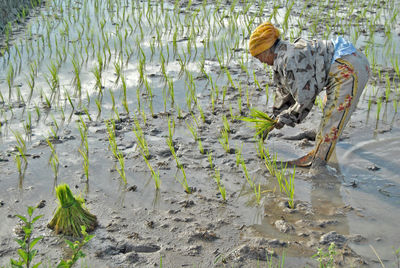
(262, 122)
(71, 214)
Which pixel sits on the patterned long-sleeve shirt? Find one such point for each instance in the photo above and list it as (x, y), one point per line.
(301, 72)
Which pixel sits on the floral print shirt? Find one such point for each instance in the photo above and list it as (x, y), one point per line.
(301, 72)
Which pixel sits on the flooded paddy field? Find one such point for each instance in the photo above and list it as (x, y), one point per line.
(136, 106)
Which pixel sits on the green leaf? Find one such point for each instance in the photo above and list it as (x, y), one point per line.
(36, 218)
(23, 255)
(16, 264)
(69, 243)
(63, 264)
(34, 241)
(22, 218)
(32, 255)
(20, 242)
(37, 265)
(30, 211)
(27, 231)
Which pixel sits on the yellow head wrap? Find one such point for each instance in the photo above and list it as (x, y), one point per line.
(263, 38)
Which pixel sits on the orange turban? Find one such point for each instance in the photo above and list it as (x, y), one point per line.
(263, 38)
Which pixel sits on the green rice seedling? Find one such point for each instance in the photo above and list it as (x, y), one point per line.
(378, 108)
(154, 175)
(260, 148)
(21, 144)
(18, 162)
(233, 117)
(77, 78)
(85, 110)
(125, 98)
(192, 130)
(53, 150)
(387, 91)
(224, 140)
(117, 68)
(369, 103)
(172, 149)
(144, 117)
(171, 129)
(171, 91)
(156, 179)
(246, 173)
(262, 122)
(69, 100)
(116, 113)
(84, 150)
(229, 76)
(248, 96)
(37, 110)
(226, 124)
(10, 80)
(98, 105)
(54, 80)
(28, 125)
(71, 214)
(85, 155)
(221, 188)
(143, 146)
(270, 162)
(200, 146)
(224, 90)
(184, 181)
(210, 161)
(111, 137)
(256, 81)
(201, 112)
(289, 188)
(26, 252)
(212, 102)
(238, 154)
(98, 77)
(121, 169)
(280, 176)
(257, 192)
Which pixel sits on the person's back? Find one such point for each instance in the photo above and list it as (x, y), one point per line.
(302, 69)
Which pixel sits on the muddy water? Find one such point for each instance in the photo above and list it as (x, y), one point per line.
(139, 225)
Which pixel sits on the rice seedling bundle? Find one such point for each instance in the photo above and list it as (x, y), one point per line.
(262, 122)
(71, 214)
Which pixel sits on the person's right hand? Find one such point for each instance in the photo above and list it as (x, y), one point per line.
(279, 125)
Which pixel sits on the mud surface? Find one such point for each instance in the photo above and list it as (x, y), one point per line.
(10, 11)
(353, 202)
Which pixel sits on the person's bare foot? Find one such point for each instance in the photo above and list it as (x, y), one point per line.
(304, 161)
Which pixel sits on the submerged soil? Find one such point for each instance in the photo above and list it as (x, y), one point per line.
(140, 226)
(353, 202)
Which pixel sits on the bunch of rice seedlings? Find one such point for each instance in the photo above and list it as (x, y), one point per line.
(71, 214)
(262, 122)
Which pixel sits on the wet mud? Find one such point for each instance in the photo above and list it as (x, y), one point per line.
(353, 202)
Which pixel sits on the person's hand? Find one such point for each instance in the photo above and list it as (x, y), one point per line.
(278, 125)
(284, 119)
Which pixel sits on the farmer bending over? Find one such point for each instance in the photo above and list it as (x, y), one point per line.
(304, 68)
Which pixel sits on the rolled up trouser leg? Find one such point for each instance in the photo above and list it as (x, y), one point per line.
(347, 79)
